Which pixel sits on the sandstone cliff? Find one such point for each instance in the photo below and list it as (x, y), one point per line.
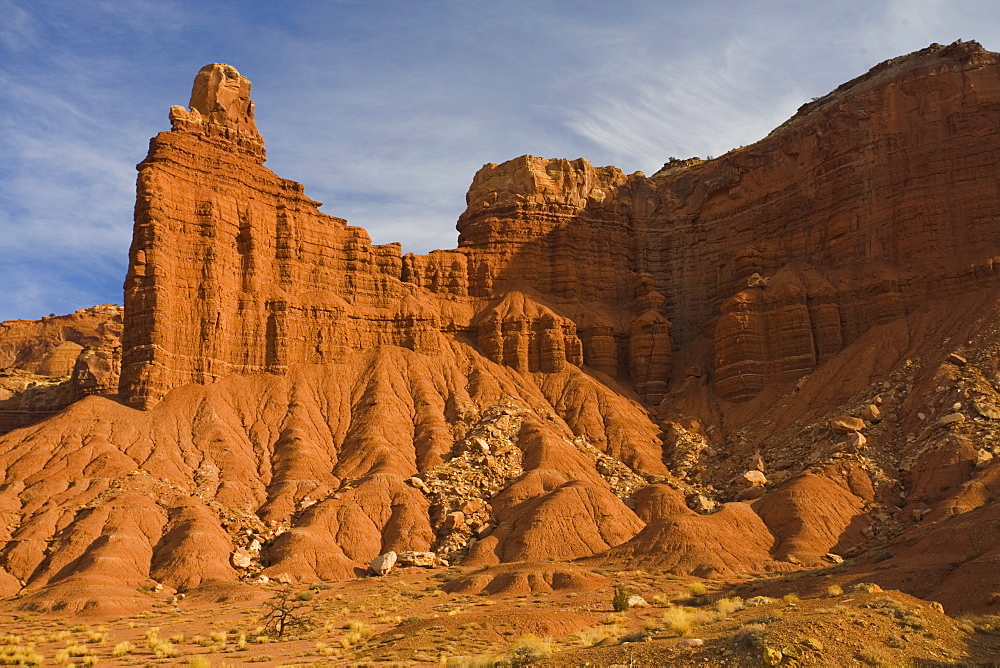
(47, 364)
(732, 365)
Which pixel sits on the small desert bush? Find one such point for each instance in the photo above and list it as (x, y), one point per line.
(97, 637)
(620, 600)
(123, 648)
(634, 636)
(241, 641)
(727, 606)
(77, 650)
(790, 598)
(219, 637)
(989, 624)
(697, 589)
(767, 617)
(678, 620)
(527, 650)
(77, 654)
(875, 655)
(661, 599)
(613, 620)
(356, 633)
(834, 590)
(907, 616)
(593, 635)
(199, 662)
(161, 649)
(18, 655)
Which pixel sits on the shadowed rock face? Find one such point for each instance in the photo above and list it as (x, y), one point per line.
(642, 369)
(47, 364)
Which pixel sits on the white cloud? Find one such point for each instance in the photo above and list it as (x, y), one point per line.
(18, 30)
(385, 111)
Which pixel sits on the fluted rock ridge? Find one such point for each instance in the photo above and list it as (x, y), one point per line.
(607, 365)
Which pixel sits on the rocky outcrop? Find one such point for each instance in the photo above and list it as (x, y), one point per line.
(47, 364)
(311, 400)
(234, 270)
(792, 247)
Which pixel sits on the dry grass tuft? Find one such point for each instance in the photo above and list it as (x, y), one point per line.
(122, 649)
(681, 620)
(697, 589)
(20, 655)
(594, 635)
(527, 650)
(357, 632)
(727, 606)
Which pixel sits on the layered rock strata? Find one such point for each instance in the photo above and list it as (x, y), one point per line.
(47, 364)
(312, 400)
(789, 248)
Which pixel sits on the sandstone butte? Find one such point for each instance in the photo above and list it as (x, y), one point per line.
(733, 366)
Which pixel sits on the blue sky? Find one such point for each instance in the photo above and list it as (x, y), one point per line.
(385, 110)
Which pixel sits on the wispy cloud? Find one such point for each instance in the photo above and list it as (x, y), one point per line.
(18, 30)
(385, 110)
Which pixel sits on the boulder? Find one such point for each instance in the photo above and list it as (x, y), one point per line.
(987, 410)
(411, 558)
(864, 588)
(950, 418)
(702, 504)
(753, 478)
(419, 484)
(856, 440)
(751, 493)
(454, 520)
(241, 559)
(845, 424)
(871, 413)
(383, 563)
(983, 458)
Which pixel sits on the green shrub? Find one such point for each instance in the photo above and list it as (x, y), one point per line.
(620, 600)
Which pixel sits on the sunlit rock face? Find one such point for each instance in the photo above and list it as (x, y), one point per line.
(641, 369)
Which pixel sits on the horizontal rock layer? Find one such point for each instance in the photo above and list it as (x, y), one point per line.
(870, 200)
(311, 400)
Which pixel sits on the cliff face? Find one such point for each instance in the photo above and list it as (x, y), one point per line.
(871, 200)
(608, 364)
(47, 364)
(234, 270)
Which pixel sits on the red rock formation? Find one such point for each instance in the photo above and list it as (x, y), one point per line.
(311, 400)
(47, 364)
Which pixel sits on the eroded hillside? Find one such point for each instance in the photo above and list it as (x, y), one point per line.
(768, 362)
